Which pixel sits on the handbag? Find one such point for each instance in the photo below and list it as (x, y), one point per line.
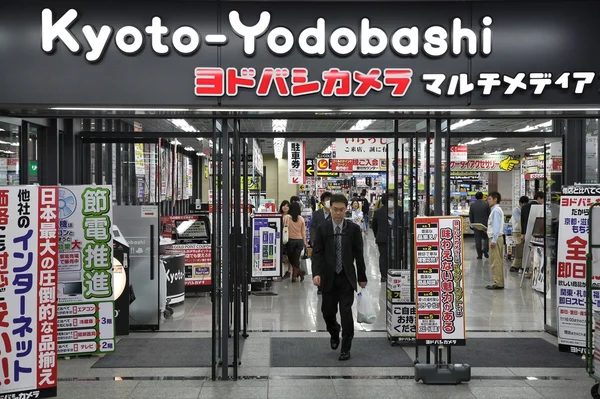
(286, 232)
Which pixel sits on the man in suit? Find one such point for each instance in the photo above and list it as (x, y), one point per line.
(338, 243)
(479, 212)
(319, 217)
(382, 219)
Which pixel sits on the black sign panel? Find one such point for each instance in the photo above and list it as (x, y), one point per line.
(309, 167)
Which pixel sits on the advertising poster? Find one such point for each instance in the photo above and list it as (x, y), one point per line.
(573, 231)
(440, 283)
(28, 275)
(400, 311)
(296, 161)
(361, 148)
(266, 249)
(198, 262)
(85, 277)
(486, 163)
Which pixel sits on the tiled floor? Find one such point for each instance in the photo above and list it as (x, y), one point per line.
(295, 312)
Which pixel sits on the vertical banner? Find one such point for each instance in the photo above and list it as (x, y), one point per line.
(28, 278)
(296, 162)
(85, 276)
(573, 231)
(440, 282)
(266, 249)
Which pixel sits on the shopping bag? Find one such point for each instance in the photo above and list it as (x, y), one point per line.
(286, 232)
(365, 310)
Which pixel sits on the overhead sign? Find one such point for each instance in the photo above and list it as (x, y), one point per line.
(28, 284)
(327, 174)
(342, 165)
(573, 235)
(369, 165)
(357, 148)
(485, 163)
(458, 153)
(296, 161)
(309, 168)
(440, 285)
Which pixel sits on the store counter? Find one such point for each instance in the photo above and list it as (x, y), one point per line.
(175, 272)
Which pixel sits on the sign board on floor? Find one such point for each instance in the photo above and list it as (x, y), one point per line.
(28, 282)
(400, 311)
(198, 262)
(267, 246)
(85, 275)
(573, 231)
(440, 285)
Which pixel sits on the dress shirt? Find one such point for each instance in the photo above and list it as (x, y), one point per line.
(495, 223)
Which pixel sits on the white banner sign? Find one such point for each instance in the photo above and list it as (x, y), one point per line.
(28, 278)
(296, 161)
(573, 232)
(357, 148)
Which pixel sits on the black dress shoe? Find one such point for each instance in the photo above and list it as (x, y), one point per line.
(344, 356)
(487, 255)
(384, 280)
(494, 287)
(335, 343)
(514, 269)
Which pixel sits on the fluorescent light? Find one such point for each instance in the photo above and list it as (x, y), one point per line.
(362, 124)
(473, 142)
(488, 139)
(175, 142)
(537, 147)
(189, 149)
(183, 125)
(121, 109)
(462, 123)
(535, 127)
(279, 125)
(278, 147)
(500, 151)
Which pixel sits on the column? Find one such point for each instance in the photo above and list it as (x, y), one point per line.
(573, 151)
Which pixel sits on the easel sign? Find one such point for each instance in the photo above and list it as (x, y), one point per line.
(440, 285)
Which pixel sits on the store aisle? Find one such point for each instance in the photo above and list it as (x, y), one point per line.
(297, 305)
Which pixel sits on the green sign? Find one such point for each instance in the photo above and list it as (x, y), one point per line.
(33, 168)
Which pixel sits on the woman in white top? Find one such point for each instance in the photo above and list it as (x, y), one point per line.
(357, 214)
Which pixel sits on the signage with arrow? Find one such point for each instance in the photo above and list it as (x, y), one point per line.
(309, 169)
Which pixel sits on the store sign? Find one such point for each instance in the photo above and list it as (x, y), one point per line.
(28, 283)
(296, 161)
(257, 157)
(85, 273)
(369, 165)
(309, 168)
(342, 165)
(573, 237)
(198, 262)
(323, 164)
(458, 153)
(266, 248)
(361, 148)
(485, 163)
(440, 286)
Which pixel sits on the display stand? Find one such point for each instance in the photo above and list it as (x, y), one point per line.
(400, 311)
(440, 298)
(593, 316)
(266, 251)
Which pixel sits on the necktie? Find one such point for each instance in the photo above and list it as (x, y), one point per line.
(338, 250)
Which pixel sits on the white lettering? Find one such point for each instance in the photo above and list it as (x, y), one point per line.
(367, 34)
(436, 44)
(318, 35)
(129, 32)
(249, 33)
(98, 43)
(458, 34)
(486, 36)
(58, 30)
(410, 34)
(337, 46)
(280, 33)
(156, 32)
(193, 37)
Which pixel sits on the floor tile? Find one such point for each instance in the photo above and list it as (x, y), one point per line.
(233, 393)
(165, 392)
(505, 393)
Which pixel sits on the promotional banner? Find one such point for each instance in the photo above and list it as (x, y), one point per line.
(440, 283)
(573, 231)
(198, 262)
(400, 311)
(28, 277)
(296, 161)
(266, 249)
(85, 275)
(361, 148)
(369, 165)
(458, 153)
(342, 165)
(485, 163)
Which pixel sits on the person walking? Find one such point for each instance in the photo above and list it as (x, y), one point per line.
(365, 210)
(284, 209)
(479, 212)
(495, 233)
(518, 234)
(319, 218)
(297, 239)
(383, 218)
(337, 246)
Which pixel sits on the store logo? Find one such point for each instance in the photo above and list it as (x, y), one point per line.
(435, 41)
(172, 277)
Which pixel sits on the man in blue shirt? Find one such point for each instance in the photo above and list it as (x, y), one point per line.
(495, 230)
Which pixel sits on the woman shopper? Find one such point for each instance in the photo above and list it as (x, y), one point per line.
(284, 209)
(357, 214)
(297, 239)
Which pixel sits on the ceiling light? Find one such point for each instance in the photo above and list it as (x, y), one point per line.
(535, 127)
(278, 147)
(362, 124)
(472, 142)
(175, 142)
(189, 149)
(537, 153)
(462, 123)
(279, 125)
(488, 139)
(537, 147)
(500, 151)
(183, 125)
(199, 154)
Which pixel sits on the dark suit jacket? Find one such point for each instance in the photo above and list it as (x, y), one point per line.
(525, 211)
(316, 221)
(324, 254)
(479, 212)
(380, 223)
